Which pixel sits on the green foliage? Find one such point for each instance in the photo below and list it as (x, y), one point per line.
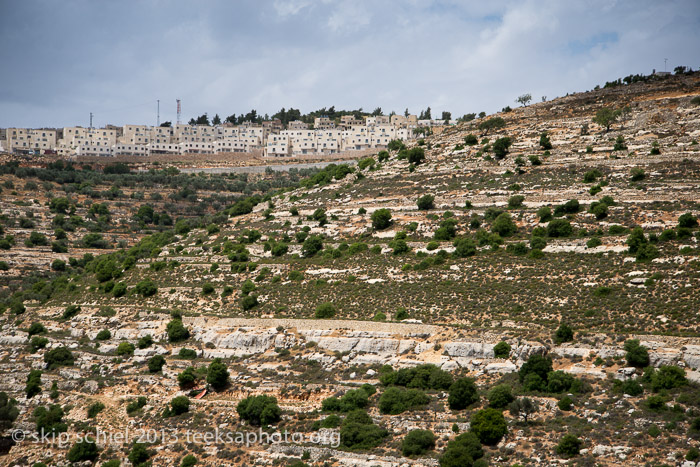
(146, 288)
(259, 410)
(492, 124)
(687, 221)
(504, 225)
(60, 356)
(49, 420)
(637, 355)
(36, 328)
(544, 213)
(606, 117)
(125, 348)
(501, 147)
(179, 405)
(565, 403)
(358, 432)
(427, 376)
(462, 394)
(464, 247)
(139, 454)
(325, 311)
(312, 245)
(187, 377)
(559, 228)
(83, 450)
(177, 331)
(668, 377)
(217, 374)
(397, 400)
(351, 400)
(637, 174)
(500, 396)
(545, 142)
(70, 311)
(501, 350)
(95, 409)
(523, 407)
(188, 461)
(155, 363)
(381, 219)
(536, 365)
(8, 411)
(33, 386)
(516, 201)
(426, 202)
(416, 155)
(463, 451)
(564, 333)
(135, 405)
(569, 446)
(489, 426)
(620, 144)
(145, 342)
(418, 442)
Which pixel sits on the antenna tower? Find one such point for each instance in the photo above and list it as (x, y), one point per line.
(179, 111)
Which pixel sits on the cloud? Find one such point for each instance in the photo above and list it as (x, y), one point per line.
(117, 59)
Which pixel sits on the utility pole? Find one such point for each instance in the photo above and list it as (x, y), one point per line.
(158, 117)
(665, 60)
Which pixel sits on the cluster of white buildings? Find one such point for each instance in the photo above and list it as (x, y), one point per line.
(270, 138)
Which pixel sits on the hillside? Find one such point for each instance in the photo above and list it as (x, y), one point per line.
(311, 291)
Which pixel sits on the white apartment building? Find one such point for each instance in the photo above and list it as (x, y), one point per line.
(27, 139)
(142, 140)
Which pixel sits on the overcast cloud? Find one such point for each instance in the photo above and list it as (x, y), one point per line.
(62, 60)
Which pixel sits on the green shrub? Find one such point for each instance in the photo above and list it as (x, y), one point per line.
(60, 356)
(187, 378)
(502, 350)
(259, 410)
(95, 409)
(489, 426)
(500, 396)
(544, 213)
(312, 245)
(462, 393)
(504, 225)
(33, 386)
(83, 450)
(637, 355)
(217, 374)
(125, 348)
(426, 202)
(179, 405)
(146, 288)
(569, 446)
(70, 311)
(418, 442)
(177, 331)
(358, 432)
(398, 400)
(325, 311)
(565, 403)
(559, 228)
(50, 420)
(564, 333)
(381, 219)
(155, 363)
(687, 221)
(103, 335)
(188, 461)
(668, 377)
(139, 454)
(36, 328)
(637, 174)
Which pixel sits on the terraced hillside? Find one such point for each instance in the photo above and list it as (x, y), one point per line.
(530, 238)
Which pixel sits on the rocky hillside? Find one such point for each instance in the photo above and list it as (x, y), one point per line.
(548, 258)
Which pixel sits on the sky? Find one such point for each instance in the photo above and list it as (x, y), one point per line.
(63, 60)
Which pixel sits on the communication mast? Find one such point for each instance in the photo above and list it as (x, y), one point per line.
(179, 111)
(158, 117)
